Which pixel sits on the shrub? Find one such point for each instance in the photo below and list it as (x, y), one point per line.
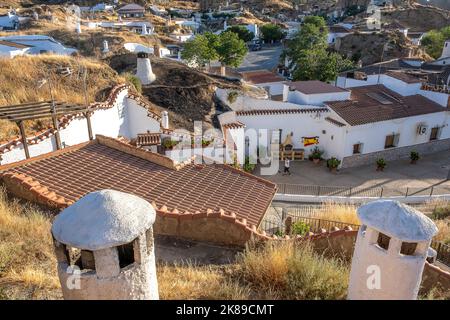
(440, 213)
(169, 144)
(232, 96)
(333, 162)
(300, 228)
(381, 163)
(248, 167)
(316, 153)
(414, 156)
(134, 81)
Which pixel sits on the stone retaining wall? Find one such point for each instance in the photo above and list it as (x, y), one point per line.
(395, 153)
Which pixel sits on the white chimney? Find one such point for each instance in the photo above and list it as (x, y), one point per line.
(144, 69)
(105, 46)
(225, 25)
(390, 252)
(144, 29)
(165, 119)
(446, 50)
(78, 28)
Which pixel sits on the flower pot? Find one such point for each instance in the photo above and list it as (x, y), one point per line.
(333, 169)
(380, 168)
(316, 161)
(413, 161)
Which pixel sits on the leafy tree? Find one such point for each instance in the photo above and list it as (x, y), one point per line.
(230, 49)
(434, 40)
(201, 50)
(271, 32)
(242, 32)
(309, 55)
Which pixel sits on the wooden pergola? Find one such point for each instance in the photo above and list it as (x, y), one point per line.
(40, 110)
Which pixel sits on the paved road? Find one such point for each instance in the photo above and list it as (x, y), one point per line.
(267, 58)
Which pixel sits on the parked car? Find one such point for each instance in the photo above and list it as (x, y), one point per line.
(255, 47)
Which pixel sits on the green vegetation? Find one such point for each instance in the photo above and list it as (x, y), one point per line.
(230, 49)
(227, 47)
(134, 81)
(381, 164)
(271, 32)
(201, 50)
(309, 55)
(300, 228)
(243, 33)
(433, 41)
(414, 156)
(333, 162)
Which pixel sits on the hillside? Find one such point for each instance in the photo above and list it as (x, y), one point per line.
(369, 47)
(188, 94)
(20, 83)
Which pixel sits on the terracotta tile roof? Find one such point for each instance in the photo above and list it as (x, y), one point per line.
(260, 112)
(234, 125)
(131, 7)
(261, 76)
(376, 103)
(314, 87)
(405, 77)
(106, 163)
(335, 122)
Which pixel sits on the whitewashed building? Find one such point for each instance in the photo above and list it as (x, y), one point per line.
(10, 49)
(39, 44)
(9, 21)
(356, 125)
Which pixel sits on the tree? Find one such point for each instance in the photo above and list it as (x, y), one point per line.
(309, 55)
(243, 33)
(201, 50)
(230, 50)
(271, 32)
(434, 40)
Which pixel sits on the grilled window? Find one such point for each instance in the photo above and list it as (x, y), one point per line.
(391, 141)
(357, 148)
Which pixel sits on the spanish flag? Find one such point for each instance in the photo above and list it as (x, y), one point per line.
(308, 141)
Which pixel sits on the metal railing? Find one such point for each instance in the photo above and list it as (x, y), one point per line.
(443, 252)
(372, 192)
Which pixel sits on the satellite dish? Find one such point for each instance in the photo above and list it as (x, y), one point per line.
(137, 47)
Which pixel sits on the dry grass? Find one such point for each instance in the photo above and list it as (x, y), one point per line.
(20, 76)
(27, 262)
(339, 212)
(291, 271)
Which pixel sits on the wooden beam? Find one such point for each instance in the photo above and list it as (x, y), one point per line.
(89, 125)
(24, 139)
(57, 135)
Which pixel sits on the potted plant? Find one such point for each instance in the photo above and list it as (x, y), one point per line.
(168, 144)
(414, 156)
(381, 163)
(333, 163)
(316, 155)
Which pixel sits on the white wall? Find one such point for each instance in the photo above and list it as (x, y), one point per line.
(403, 88)
(316, 99)
(343, 82)
(373, 135)
(138, 120)
(438, 97)
(302, 125)
(126, 118)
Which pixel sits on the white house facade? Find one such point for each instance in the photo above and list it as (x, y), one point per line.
(357, 125)
(40, 44)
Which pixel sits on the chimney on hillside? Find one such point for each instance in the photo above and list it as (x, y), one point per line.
(105, 249)
(144, 69)
(165, 119)
(390, 252)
